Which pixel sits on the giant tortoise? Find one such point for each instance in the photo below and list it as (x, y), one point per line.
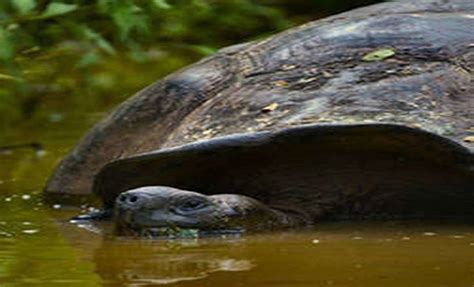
(366, 114)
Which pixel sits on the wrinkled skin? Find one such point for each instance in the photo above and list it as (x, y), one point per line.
(144, 210)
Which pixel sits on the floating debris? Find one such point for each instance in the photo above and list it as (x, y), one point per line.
(235, 265)
(5, 234)
(457, 236)
(270, 108)
(357, 238)
(55, 117)
(315, 241)
(379, 55)
(88, 226)
(93, 209)
(25, 196)
(429, 233)
(40, 153)
(406, 238)
(8, 199)
(56, 206)
(30, 231)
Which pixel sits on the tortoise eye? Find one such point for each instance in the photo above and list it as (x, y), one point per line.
(192, 205)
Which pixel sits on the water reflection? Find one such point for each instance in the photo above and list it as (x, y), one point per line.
(337, 254)
(152, 263)
(141, 262)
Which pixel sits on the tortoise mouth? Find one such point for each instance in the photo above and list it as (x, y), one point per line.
(174, 232)
(183, 233)
(140, 224)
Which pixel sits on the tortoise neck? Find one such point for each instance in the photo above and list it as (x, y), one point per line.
(254, 215)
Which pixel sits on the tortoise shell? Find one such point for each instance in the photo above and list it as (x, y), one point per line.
(378, 98)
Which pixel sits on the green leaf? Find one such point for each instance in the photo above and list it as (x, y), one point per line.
(88, 59)
(98, 40)
(136, 52)
(24, 6)
(7, 45)
(56, 9)
(10, 78)
(379, 55)
(162, 4)
(127, 18)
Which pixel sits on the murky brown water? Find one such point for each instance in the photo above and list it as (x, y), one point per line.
(41, 250)
(38, 247)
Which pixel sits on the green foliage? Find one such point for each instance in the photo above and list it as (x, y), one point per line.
(51, 47)
(129, 24)
(24, 7)
(56, 9)
(48, 48)
(7, 47)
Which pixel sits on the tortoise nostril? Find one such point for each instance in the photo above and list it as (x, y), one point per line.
(133, 198)
(128, 198)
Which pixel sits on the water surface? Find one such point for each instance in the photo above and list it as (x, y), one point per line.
(39, 247)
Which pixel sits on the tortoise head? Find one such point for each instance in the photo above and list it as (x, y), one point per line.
(153, 210)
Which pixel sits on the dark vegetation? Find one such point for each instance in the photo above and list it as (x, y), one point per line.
(61, 57)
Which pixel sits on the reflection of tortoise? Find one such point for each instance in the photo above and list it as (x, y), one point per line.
(369, 113)
(139, 263)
